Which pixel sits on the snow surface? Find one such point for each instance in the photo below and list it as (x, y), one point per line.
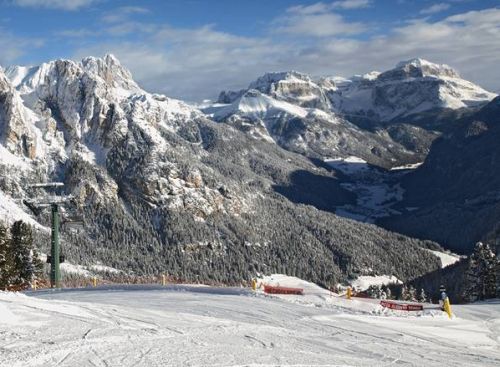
(255, 105)
(447, 259)
(11, 211)
(365, 281)
(205, 326)
(7, 158)
(407, 166)
(348, 165)
(409, 94)
(87, 271)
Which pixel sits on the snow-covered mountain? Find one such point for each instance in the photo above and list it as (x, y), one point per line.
(163, 188)
(410, 88)
(64, 112)
(364, 116)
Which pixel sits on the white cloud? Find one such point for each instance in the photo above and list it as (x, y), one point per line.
(351, 4)
(13, 47)
(322, 7)
(318, 25)
(55, 4)
(309, 9)
(436, 8)
(318, 20)
(123, 13)
(194, 64)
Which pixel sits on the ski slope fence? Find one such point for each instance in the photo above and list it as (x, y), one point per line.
(401, 306)
(282, 290)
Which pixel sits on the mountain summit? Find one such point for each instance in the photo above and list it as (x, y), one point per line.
(420, 68)
(412, 87)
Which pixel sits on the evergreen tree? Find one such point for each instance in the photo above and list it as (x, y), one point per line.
(5, 263)
(497, 272)
(405, 296)
(481, 274)
(26, 265)
(422, 297)
(412, 294)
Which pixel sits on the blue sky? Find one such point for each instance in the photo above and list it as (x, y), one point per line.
(192, 49)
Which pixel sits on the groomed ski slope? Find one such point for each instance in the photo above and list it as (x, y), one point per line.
(204, 326)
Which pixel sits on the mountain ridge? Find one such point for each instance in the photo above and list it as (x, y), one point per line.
(352, 95)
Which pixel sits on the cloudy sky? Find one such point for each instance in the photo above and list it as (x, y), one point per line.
(192, 49)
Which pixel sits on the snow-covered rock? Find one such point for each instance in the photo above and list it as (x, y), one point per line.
(255, 105)
(298, 111)
(295, 112)
(55, 116)
(293, 87)
(412, 87)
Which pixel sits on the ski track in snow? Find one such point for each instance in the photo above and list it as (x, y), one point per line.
(204, 326)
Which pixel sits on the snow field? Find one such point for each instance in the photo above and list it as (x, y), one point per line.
(365, 281)
(447, 259)
(205, 326)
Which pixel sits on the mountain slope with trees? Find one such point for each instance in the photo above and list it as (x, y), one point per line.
(456, 192)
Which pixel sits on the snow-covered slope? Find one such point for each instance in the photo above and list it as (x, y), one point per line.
(365, 281)
(183, 325)
(447, 259)
(255, 105)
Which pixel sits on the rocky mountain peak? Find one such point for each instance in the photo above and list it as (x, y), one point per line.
(266, 82)
(111, 71)
(106, 72)
(418, 68)
(412, 87)
(15, 134)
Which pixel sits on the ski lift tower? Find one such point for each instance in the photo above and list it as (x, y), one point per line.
(54, 202)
